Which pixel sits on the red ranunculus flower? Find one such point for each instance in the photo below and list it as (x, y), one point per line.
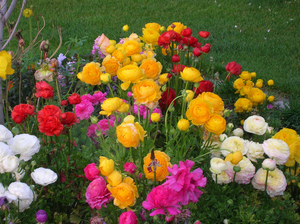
(197, 51)
(175, 58)
(234, 68)
(189, 41)
(167, 37)
(178, 68)
(166, 98)
(204, 34)
(186, 32)
(206, 48)
(204, 86)
(21, 112)
(74, 99)
(64, 103)
(69, 118)
(49, 120)
(44, 90)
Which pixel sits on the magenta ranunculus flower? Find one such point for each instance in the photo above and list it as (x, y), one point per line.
(128, 218)
(164, 200)
(91, 172)
(97, 193)
(99, 96)
(129, 167)
(185, 182)
(84, 109)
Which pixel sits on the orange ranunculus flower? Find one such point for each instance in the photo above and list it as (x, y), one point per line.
(243, 105)
(161, 162)
(129, 74)
(245, 75)
(163, 79)
(147, 92)
(294, 146)
(257, 96)
(114, 178)
(286, 134)
(111, 65)
(216, 124)
(213, 101)
(132, 47)
(119, 55)
(234, 158)
(183, 124)
(91, 73)
(106, 166)
(191, 74)
(151, 68)
(150, 36)
(177, 27)
(130, 134)
(125, 193)
(137, 57)
(5, 65)
(113, 104)
(154, 26)
(198, 111)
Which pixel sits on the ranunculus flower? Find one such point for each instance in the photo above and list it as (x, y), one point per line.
(132, 47)
(21, 195)
(111, 65)
(276, 184)
(204, 34)
(234, 68)
(114, 178)
(204, 86)
(197, 51)
(91, 171)
(233, 144)
(177, 27)
(5, 69)
(128, 218)
(43, 176)
(255, 124)
(154, 26)
(97, 194)
(217, 165)
(44, 90)
(146, 92)
(84, 109)
(129, 74)
(167, 37)
(9, 164)
(151, 67)
(161, 164)
(238, 132)
(269, 164)
(214, 102)
(198, 111)
(49, 120)
(91, 73)
(277, 150)
(166, 98)
(191, 74)
(257, 96)
(21, 112)
(243, 105)
(245, 75)
(234, 157)
(5, 134)
(206, 48)
(216, 124)
(26, 145)
(74, 99)
(124, 194)
(106, 166)
(222, 178)
(183, 124)
(254, 151)
(150, 36)
(130, 167)
(175, 58)
(69, 118)
(101, 44)
(177, 68)
(113, 104)
(186, 32)
(189, 41)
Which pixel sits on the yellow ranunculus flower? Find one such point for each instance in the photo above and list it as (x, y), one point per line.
(110, 49)
(163, 79)
(155, 117)
(238, 84)
(111, 65)
(253, 74)
(245, 90)
(189, 96)
(114, 178)
(113, 104)
(154, 26)
(270, 82)
(147, 92)
(119, 55)
(106, 166)
(234, 158)
(137, 57)
(215, 102)
(125, 28)
(257, 96)
(243, 105)
(130, 134)
(129, 74)
(216, 124)
(132, 47)
(124, 194)
(105, 78)
(183, 124)
(5, 65)
(191, 74)
(245, 75)
(150, 36)
(27, 12)
(198, 111)
(177, 27)
(151, 68)
(91, 73)
(113, 42)
(161, 162)
(286, 134)
(259, 83)
(294, 146)
(271, 99)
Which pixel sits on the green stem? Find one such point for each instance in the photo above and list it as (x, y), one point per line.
(57, 88)
(266, 183)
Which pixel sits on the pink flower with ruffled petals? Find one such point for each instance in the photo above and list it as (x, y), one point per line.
(91, 171)
(185, 182)
(129, 167)
(97, 194)
(128, 218)
(99, 96)
(164, 200)
(84, 109)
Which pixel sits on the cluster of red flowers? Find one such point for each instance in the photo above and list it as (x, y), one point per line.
(21, 112)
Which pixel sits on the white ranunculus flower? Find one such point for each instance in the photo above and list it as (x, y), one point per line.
(5, 134)
(269, 164)
(217, 165)
(43, 176)
(222, 178)
(238, 132)
(277, 150)
(26, 145)
(222, 137)
(254, 151)
(255, 124)
(5, 151)
(9, 164)
(23, 193)
(233, 144)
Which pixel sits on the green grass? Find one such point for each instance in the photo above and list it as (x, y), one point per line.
(262, 36)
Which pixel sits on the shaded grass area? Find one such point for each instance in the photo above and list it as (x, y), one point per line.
(262, 36)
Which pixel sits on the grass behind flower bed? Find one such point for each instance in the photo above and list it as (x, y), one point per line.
(262, 36)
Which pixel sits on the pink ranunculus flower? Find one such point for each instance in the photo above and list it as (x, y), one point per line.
(99, 96)
(97, 194)
(164, 199)
(129, 167)
(91, 172)
(128, 218)
(84, 109)
(185, 182)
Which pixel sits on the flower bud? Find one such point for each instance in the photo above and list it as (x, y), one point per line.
(110, 49)
(222, 137)
(234, 158)
(94, 119)
(125, 28)
(175, 58)
(269, 164)
(183, 124)
(271, 99)
(230, 125)
(189, 95)
(237, 169)
(155, 117)
(270, 82)
(238, 132)
(21, 42)
(41, 216)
